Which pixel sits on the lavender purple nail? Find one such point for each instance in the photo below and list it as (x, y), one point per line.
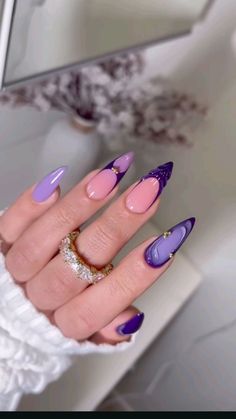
(165, 246)
(131, 326)
(45, 188)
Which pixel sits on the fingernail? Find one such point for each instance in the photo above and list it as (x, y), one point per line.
(45, 188)
(131, 326)
(146, 192)
(165, 246)
(106, 180)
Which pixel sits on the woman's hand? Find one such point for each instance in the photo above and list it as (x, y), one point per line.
(34, 226)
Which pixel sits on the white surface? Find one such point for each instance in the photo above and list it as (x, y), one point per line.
(93, 376)
(30, 150)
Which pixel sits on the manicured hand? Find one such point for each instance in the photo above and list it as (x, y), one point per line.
(34, 226)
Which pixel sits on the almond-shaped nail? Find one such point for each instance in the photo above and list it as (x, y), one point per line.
(105, 181)
(165, 246)
(146, 192)
(131, 326)
(45, 188)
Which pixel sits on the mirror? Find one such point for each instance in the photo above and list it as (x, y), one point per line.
(76, 31)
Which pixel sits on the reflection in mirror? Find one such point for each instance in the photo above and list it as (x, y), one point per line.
(78, 30)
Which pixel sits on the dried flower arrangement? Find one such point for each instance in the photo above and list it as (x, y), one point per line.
(111, 94)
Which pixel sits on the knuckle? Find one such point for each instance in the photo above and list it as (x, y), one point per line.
(140, 277)
(65, 216)
(19, 259)
(117, 224)
(123, 287)
(143, 277)
(87, 321)
(103, 235)
(107, 231)
(132, 281)
(62, 279)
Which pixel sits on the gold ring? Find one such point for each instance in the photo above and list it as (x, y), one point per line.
(78, 264)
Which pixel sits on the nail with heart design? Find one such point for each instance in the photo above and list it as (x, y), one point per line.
(165, 246)
(106, 180)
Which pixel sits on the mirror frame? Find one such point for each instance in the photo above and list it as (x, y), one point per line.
(7, 13)
(6, 20)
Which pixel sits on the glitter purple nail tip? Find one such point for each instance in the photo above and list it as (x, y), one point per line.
(162, 174)
(165, 246)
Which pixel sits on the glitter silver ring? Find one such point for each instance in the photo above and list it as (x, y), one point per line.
(78, 264)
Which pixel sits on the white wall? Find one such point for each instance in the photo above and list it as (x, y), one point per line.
(21, 133)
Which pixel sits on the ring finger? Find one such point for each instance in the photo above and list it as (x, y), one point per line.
(100, 242)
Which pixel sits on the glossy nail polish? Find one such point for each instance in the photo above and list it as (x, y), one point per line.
(146, 192)
(131, 326)
(45, 188)
(106, 180)
(165, 246)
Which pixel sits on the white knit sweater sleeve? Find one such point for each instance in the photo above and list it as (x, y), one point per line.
(33, 352)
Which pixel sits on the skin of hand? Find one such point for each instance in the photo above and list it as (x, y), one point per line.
(34, 226)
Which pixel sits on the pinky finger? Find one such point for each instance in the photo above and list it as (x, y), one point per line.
(121, 328)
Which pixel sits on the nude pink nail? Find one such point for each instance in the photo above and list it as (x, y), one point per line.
(142, 197)
(146, 192)
(106, 180)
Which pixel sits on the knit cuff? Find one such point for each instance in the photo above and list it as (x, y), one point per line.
(33, 352)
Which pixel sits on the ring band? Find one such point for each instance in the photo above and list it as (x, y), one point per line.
(79, 266)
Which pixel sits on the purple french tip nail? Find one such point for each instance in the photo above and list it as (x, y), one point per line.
(103, 183)
(165, 246)
(45, 188)
(131, 326)
(162, 174)
(120, 165)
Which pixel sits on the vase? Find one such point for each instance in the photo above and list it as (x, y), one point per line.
(72, 142)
